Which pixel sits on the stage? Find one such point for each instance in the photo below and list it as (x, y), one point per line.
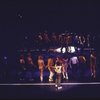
(48, 90)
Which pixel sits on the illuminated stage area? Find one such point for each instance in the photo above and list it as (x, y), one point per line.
(51, 86)
(25, 79)
(48, 91)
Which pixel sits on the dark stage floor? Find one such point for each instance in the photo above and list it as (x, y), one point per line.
(44, 91)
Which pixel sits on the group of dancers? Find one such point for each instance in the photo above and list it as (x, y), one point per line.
(57, 66)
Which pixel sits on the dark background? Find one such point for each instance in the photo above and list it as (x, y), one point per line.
(18, 18)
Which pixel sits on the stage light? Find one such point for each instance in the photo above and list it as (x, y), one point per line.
(71, 49)
(63, 50)
(59, 50)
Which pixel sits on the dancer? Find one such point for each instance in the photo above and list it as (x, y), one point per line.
(65, 68)
(41, 66)
(74, 65)
(93, 64)
(22, 68)
(82, 66)
(30, 67)
(58, 70)
(50, 65)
